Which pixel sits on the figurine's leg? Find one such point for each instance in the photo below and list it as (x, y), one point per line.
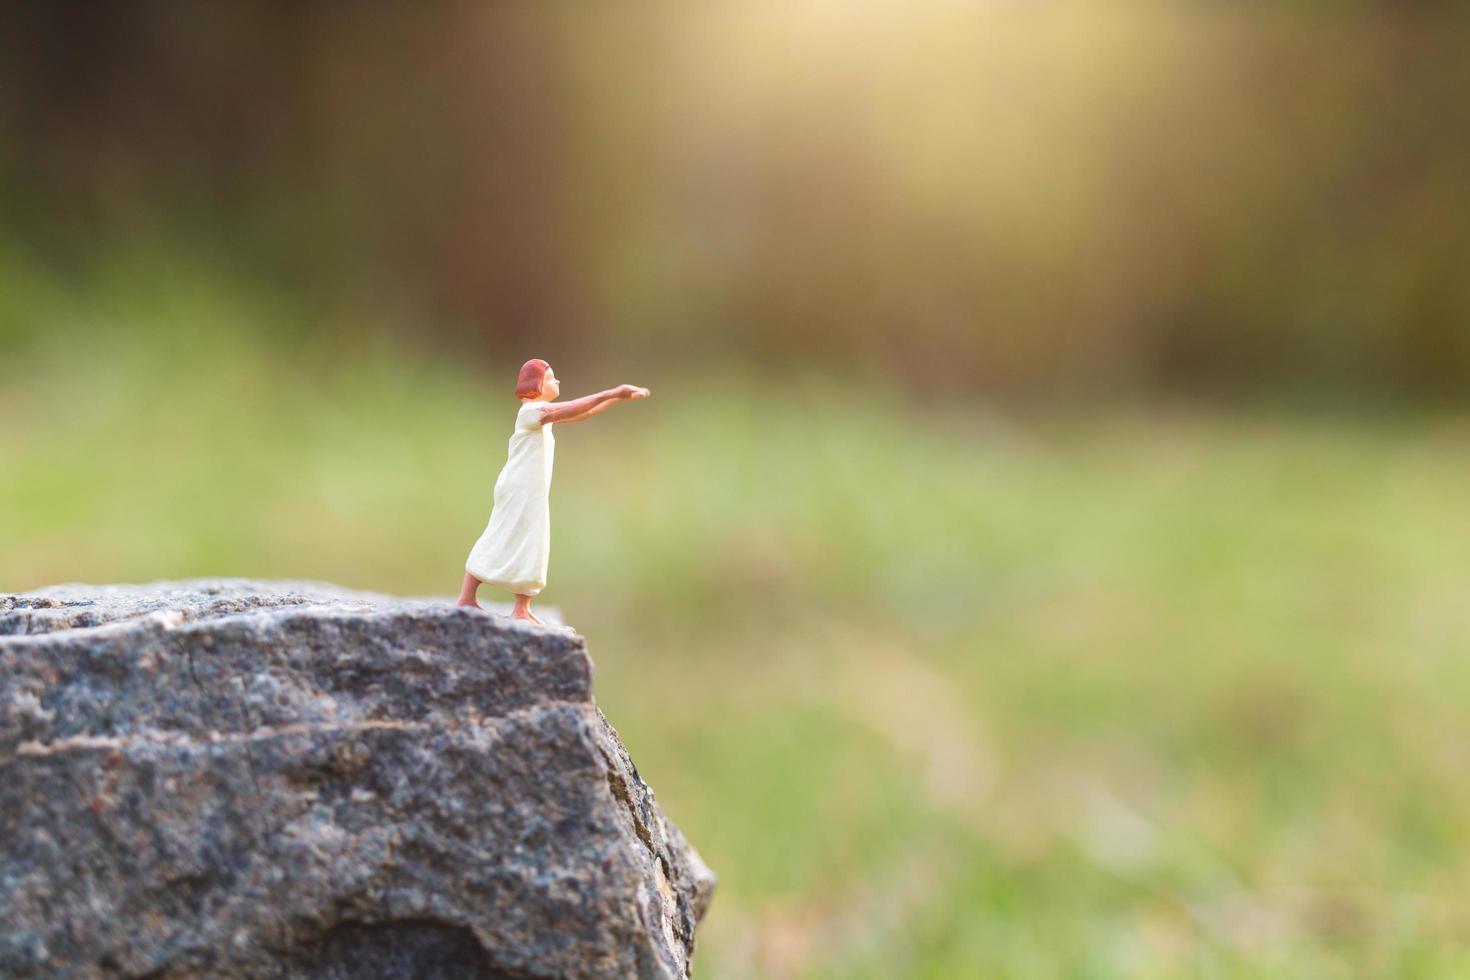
(523, 610)
(467, 591)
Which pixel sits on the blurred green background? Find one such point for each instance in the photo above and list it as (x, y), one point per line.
(1044, 553)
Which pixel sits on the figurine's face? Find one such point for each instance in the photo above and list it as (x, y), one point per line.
(550, 387)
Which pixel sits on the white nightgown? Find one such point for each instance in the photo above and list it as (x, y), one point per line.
(513, 551)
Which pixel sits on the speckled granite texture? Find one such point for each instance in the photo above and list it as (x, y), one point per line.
(280, 779)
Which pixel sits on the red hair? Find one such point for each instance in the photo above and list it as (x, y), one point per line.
(533, 374)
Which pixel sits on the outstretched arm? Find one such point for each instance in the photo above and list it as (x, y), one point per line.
(589, 405)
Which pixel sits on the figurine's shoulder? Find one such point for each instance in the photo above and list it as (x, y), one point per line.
(529, 414)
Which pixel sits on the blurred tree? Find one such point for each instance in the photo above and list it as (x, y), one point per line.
(1061, 197)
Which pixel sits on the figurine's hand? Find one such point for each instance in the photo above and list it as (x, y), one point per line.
(632, 391)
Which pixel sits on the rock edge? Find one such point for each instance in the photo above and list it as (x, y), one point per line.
(225, 778)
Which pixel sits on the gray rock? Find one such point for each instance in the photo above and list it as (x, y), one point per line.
(266, 779)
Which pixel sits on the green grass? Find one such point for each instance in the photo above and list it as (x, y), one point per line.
(938, 693)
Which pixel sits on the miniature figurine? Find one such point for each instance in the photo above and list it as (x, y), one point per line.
(512, 553)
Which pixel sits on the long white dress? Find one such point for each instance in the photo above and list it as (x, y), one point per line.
(513, 551)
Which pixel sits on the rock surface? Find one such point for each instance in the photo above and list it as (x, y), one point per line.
(268, 779)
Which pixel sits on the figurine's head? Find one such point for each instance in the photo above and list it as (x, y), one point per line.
(537, 381)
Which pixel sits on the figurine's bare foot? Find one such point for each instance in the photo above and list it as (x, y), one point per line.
(467, 592)
(522, 610)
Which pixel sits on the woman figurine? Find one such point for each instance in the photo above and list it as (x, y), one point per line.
(513, 551)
